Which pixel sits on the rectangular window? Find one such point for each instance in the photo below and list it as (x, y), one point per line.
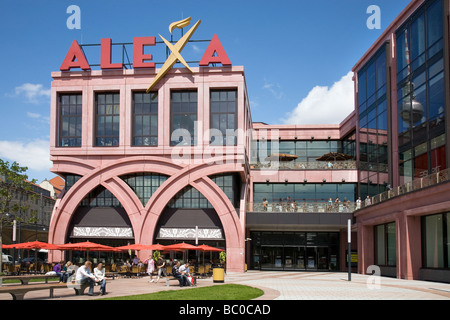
(183, 114)
(435, 235)
(70, 115)
(145, 119)
(385, 245)
(223, 117)
(107, 119)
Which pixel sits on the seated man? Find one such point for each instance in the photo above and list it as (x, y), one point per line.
(177, 274)
(84, 275)
(184, 270)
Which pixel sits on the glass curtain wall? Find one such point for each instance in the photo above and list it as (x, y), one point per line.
(373, 128)
(303, 192)
(421, 93)
(307, 151)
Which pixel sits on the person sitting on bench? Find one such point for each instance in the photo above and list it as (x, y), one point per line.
(84, 275)
(177, 274)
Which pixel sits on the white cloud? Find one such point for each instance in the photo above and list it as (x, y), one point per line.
(34, 154)
(39, 117)
(325, 105)
(274, 89)
(32, 92)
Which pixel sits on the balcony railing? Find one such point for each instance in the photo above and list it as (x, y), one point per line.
(302, 207)
(417, 184)
(297, 165)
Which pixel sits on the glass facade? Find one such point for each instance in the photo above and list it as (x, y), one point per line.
(223, 117)
(373, 126)
(303, 192)
(385, 245)
(70, 116)
(100, 197)
(107, 106)
(191, 198)
(145, 119)
(307, 151)
(144, 184)
(435, 244)
(183, 114)
(295, 250)
(421, 93)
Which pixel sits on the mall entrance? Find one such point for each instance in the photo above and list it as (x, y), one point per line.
(295, 251)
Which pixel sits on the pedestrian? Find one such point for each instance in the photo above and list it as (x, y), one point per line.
(358, 203)
(265, 204)
(161, 266)
(368, 202)
(150, 268)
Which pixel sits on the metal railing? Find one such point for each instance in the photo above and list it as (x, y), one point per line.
(417, 184)
(297, 165)
(302, 207)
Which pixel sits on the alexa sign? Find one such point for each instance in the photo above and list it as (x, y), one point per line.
(214, 53)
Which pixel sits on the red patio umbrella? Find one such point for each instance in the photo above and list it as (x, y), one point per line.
(32, 245)
(181, 246)
(132, 247)
(156, 246)
(86, 246)
(81, 246)
(205, 247)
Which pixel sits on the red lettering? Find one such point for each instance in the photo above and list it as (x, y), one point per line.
(75, 58)
(215, 53)
(139, 58)
(105, 56)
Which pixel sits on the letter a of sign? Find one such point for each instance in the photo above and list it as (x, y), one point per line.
(75, 58)
(215, 53)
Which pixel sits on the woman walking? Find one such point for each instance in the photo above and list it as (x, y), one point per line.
(150, 268)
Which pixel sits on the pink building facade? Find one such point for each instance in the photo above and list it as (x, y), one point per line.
(185, 162)
(96, 165)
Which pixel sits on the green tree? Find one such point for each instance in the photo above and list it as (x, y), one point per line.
(13, 180)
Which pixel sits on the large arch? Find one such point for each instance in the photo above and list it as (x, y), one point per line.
(198, 178)
(144, 220)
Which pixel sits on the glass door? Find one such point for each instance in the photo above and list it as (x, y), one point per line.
(311, 258)
(322, 256)
(271, 258)
(289, 258)
(300, 258)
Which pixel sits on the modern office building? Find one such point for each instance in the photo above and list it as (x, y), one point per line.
(171, 154)
(402, 102)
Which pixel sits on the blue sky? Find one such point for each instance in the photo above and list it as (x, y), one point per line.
(297, 55)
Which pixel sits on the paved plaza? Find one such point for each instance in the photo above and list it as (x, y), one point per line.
(279, 286)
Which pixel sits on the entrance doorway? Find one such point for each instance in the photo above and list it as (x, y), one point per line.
(278, 251)
(297, 258)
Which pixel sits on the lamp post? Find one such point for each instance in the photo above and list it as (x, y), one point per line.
(349, 257)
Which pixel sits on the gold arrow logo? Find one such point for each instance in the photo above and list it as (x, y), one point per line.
(175, 49)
